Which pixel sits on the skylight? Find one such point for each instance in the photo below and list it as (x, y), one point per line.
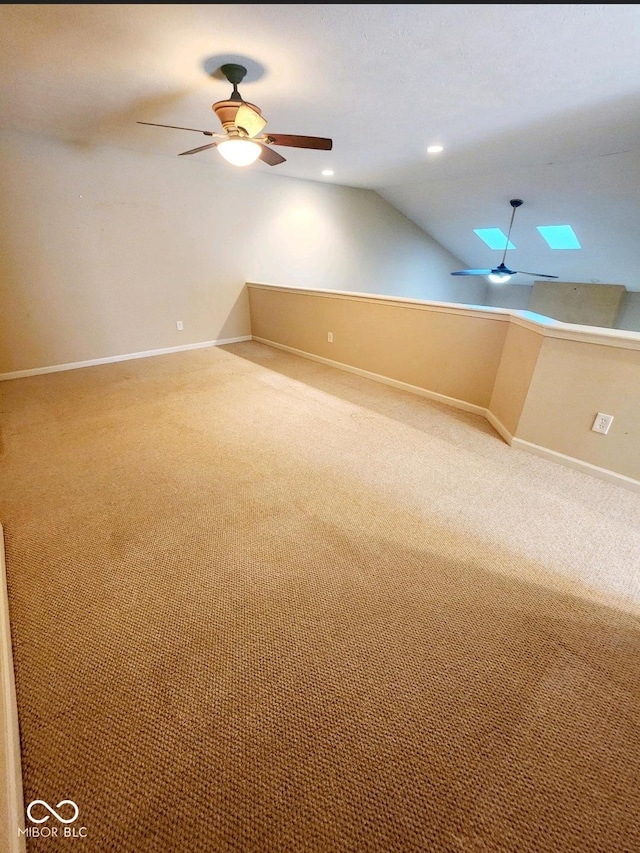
(559, 236)
(494, 238)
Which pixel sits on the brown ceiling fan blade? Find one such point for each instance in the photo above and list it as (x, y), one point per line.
(202, 148)
(173, 127)
(269, 156)
(317, 142)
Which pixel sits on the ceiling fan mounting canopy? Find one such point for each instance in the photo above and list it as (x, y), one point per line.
(242, 124)
(501, 274)
(235, 74)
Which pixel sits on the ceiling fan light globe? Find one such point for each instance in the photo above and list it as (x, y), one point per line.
(239, 152)
(498, 278)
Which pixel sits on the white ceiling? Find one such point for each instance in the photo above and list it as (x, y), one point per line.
(536, 101)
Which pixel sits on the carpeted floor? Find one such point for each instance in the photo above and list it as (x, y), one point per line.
(260, 605)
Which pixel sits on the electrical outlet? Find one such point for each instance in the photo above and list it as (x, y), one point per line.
(179, 325)
(330, 337)
(602, 423)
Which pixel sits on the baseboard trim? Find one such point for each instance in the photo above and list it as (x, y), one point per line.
(578, 464)
(377, 377)
(11, 796)
(74, 365)
(499, 427)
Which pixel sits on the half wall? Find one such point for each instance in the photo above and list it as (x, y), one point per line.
(538, 381)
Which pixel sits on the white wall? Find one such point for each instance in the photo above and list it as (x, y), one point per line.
(629, 316)
(509, 295)
(102, 250)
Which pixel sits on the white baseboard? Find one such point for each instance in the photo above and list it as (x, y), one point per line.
(578, 464)
(499, 427)
(377, 377)
(11, 796)
(74, 365)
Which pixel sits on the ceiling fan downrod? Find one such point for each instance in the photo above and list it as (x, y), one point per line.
(515, 204)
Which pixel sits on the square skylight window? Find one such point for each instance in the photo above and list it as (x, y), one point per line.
(559, 236)
(494, 238)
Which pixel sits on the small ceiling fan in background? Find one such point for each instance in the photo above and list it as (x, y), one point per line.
(501, 274)
(242, 141)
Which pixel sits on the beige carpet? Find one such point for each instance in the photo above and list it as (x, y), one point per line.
(260, 605)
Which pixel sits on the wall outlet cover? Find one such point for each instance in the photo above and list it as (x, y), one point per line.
(602, 423)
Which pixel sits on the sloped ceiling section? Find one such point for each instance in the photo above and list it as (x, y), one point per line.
(535, 101)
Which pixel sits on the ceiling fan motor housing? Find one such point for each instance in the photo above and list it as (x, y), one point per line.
(226, 112)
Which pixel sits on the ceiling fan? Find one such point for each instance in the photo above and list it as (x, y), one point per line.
(242, 141)
(501, 274)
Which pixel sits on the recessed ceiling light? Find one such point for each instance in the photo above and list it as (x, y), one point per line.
(435, 149)
(494, 238)
(559, 236)
(327, 172)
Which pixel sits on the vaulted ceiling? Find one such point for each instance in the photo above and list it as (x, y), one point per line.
(536, 101)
